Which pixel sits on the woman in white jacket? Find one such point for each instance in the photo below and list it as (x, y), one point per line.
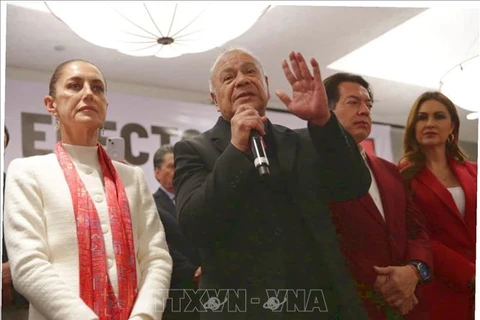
(82, 231)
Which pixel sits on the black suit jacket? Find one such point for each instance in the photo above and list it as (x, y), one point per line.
(185, 257)
(219, 211)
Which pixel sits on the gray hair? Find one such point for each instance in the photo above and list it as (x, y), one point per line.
(160, 154)
(225, 52)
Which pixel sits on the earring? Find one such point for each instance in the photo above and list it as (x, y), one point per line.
(57, 124)
(451, 138)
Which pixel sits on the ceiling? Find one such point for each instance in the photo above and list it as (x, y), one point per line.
(324, 32)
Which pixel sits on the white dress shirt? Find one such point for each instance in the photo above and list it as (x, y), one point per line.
(373, 191)
(169, 194)
(459, 198)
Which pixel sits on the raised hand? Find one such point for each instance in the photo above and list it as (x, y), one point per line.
(309, 100)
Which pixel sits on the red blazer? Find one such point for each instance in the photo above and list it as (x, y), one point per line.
(453, 239)
(367, 239)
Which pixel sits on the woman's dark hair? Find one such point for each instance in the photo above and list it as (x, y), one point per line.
(58, 73)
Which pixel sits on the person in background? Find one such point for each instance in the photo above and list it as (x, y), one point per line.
(186, 261)
(258, 234)
(381, 235)
(82, 231)
(189, 133)
(443, 185)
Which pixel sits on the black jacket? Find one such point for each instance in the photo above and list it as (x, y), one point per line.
(184, 255)
(275, 233)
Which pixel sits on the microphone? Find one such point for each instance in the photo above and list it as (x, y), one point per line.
(260, 159)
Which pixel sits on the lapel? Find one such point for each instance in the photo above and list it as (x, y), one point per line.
(390, 189)
(220, 134)
(430, 181)
(285, 144)
(468, 182)
(367, 200)
(165, 202)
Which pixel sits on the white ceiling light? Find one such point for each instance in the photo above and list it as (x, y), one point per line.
(461, 85)
(415, 51)
(158, 28)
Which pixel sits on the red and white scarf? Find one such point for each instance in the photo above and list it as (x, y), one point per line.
(95, 286)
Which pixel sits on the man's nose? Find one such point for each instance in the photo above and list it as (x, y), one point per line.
(364, 109)
(242, 79)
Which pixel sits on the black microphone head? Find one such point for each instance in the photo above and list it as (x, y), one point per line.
(254, 133)
(263, 171)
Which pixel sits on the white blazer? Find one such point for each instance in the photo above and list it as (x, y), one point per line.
(40, 235)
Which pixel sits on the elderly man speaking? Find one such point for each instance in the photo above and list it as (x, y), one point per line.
(268, 246)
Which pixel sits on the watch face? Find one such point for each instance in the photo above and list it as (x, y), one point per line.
(423, 270)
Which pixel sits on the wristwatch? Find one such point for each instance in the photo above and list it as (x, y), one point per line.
(423, 270)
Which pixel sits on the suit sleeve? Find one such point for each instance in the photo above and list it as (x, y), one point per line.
(342, 167)
(452, 268)
(175, 238)
(208, 200)
(183, 268)
(418, 241)
(25, 233)
(153, 257)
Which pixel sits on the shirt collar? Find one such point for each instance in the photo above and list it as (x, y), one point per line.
(362, 152)
(170, 195)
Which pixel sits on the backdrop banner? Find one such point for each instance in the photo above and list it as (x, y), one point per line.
(379, 142)
(144, 122)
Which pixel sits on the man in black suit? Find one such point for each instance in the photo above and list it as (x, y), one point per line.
(256, 235)
(186, 263)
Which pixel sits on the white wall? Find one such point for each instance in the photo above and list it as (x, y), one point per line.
(138, 113)
(131, 107)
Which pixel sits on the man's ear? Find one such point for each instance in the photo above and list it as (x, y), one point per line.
(267, 87)
(214, 99)
(156, 170)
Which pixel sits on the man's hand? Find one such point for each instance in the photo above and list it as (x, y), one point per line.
(309, 98)
(7, 286)
(400, 285)
(246, 118)
(196, 276)
(379, 282)
(407, 305)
